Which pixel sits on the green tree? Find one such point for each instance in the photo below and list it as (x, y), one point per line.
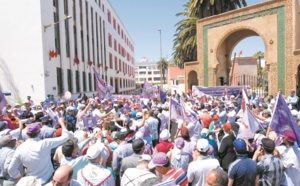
(163, 65)
(261, 72)
(185, 41)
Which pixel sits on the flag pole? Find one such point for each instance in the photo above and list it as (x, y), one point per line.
(269, 127)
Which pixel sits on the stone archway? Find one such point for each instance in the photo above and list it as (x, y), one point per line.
(192, 79)
(225, 48)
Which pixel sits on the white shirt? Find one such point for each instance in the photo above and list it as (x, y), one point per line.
(291, 161)
(198, 169)
(34, 154)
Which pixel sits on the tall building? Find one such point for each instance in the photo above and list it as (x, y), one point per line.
(50, 46)
(145, 70)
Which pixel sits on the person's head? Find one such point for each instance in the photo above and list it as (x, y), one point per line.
(227, 127)
(165, 135)
(185, 133)
(216, 118)
(62, 176)
(33, 130)
(268, 145)
(70, 148)
(289, 138)
(144, 160)
(240, 146)
(138, 146)
(97, 153)
(202, 147)
(266, 113)
(293, 93)
(160, 162)
(216, 177)
(8, 141)
(119, 137)
(29, 180)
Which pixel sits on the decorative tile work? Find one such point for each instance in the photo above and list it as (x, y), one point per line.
(281, 48)
(205, 56)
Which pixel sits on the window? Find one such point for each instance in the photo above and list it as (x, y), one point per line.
(108, 16)
(112, 81)
(149, 79)
(56, 33)
(66, 7)
(115, 45)
(120, 65)
(156, 72)
(156, 79)
(109, 40)
(114, 23)
(90, 82)
(118, 29)
(84, 81)
(116, 63)
(142, 73)
(110, 61)
(67, 38)
(120, 83)
(142, 79)
(122, 34)
(149, 73)
(77, 81)
(59, 80)
(69, 76)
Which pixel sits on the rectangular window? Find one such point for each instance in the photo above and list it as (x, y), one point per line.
(120, 65)
(59, 80)
(75, 41)
(93, 38)
(121, 83)
(118, 29)
(69, 76)
(149, 73)
(66, 7)
(84, 81)
(115, 45)
(142, 73)
(116, 63)
(77, 81)
(110, 61)
(150, 79)
(156, 79)
(114, 23)
(67, 38)
(108, 16)
(90, 82)
(109, 40)
(112, 81)
(56, 33)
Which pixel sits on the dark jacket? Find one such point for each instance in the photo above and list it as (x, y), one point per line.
(226, 152)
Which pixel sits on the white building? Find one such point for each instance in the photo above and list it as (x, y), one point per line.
(38, 57)
(148, 71)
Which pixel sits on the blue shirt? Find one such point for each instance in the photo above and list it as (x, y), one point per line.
(243, 171)
(153, 123)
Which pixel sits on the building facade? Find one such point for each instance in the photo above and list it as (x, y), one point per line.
(176, 79)
(149, 71)
(51, 47)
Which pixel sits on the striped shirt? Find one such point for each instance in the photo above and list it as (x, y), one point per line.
(178, 175)
(270, 170)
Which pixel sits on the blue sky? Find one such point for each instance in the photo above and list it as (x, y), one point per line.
(143, 18)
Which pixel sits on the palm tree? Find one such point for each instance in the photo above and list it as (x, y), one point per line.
(163, 65)
(260, 71)
(185, 41)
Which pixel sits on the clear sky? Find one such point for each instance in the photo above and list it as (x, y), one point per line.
(143, 18)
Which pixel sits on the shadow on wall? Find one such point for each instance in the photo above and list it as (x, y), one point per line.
(7, 83)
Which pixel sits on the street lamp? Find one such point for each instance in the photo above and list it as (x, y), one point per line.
(161, 70)
(52, 24)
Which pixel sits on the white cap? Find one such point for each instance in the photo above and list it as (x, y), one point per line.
(29, 181)
(202, 145)
(139, 135)
(139, 114)
(145, 157)
(95, 150)
(294, 113)
(165, 134)
(232, 96)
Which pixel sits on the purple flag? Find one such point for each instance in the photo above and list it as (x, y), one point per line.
(283, 120)
(89, 121)
(162, 95)
(104, 91)
(189, 115)
(54, 117)
(148, 90)
(176, 110)
(3, 101)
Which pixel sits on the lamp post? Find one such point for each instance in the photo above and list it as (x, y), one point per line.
(52, 24)
(161, 70)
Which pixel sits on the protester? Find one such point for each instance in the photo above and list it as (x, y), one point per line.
(164, 145)
(202, 164)
(34, 154)
(63, 177)
(216, 177)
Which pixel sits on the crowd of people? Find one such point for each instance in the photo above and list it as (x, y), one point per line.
(136, 142)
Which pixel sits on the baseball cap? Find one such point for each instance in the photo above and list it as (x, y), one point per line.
(6, 139)
(202, 145)
(120, 136)
(289, 136)
(94, 151)
(268, 144)
(179, 143)
(159, 159)
(138, 144)
(139, 115)
(33, 128)
(58, 132)
(227, 126)
(68, 148)
(145, 157)
(29, 180)
(239, 144)
(165, 134)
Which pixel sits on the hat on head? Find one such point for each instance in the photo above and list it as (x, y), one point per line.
(179, 143)
(159, 159)
(216, 117)
(227, 126)
(294, 113)
(3, 125)
(268, 144)
(239, 144)
(58, 132)
(139, 115)
(139, 135)
(145, 157)
(29, 181)
(202, 145)
(165, 134)
(33, 128)
(94, 151)
(4, 140)
(289, 136)
(120, 136)
(138, 144)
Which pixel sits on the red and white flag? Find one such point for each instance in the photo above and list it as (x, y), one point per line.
(240, 53)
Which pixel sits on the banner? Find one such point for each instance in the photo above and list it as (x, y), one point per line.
(3, 101)
(217, 91)
(53, 116)
(104, 91)
(89, 121)
(176, 110)
(148, 90)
